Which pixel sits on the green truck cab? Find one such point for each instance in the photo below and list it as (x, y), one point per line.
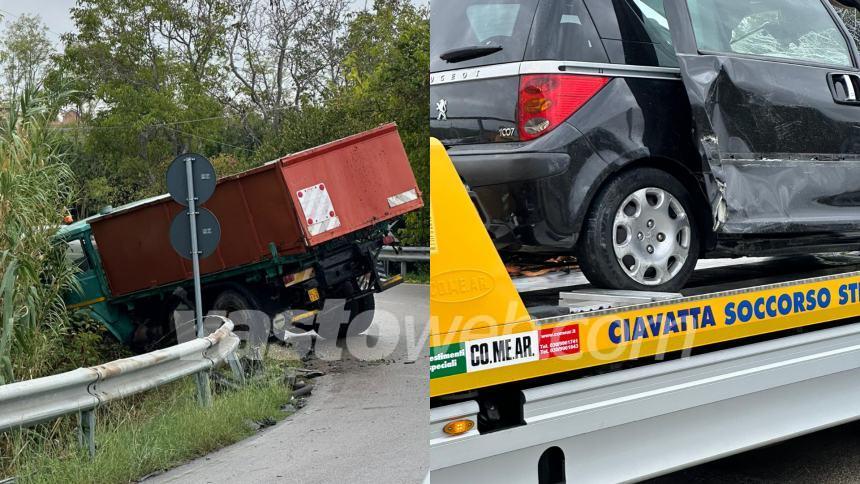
(92, 292)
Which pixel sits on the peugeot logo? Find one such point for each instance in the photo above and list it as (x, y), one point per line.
(442, 110)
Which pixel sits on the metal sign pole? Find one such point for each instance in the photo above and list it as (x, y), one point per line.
(204, 393)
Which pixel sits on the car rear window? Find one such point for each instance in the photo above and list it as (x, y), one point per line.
(458, 24)
(524, 29)
(563, 30)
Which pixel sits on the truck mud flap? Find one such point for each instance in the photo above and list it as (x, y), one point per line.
(383, 280)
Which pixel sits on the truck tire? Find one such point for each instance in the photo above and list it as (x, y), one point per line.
(247, 314)
(359, 314)
(640, 233)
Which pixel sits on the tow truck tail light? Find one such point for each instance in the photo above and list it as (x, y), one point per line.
(546, 100)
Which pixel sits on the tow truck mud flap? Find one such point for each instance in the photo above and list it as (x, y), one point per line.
(778, 153)
(482, 335)
(639, 423)
(469, 285)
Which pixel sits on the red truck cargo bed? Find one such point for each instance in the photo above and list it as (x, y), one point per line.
(297, 202)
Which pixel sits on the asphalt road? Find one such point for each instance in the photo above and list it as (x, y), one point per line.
(365, 422)
(827, 456)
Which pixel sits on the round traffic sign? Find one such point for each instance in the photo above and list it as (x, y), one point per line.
(204, 178)
(208, 233)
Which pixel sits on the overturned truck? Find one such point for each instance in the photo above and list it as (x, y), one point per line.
(296, 232)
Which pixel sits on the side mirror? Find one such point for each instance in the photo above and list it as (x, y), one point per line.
(849, 3)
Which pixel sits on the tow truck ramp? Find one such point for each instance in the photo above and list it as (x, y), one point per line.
(552, 383)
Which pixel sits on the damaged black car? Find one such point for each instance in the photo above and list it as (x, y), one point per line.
(643, 135)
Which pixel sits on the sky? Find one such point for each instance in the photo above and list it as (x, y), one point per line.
(55, 13)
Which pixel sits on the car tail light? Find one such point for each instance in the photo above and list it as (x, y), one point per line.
(548, 99)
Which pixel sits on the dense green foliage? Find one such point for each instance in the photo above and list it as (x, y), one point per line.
(35, 185)
(240, 81)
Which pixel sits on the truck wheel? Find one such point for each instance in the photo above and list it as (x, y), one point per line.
(640, 233)
(358, 311)
(361, 313)
(245, 311)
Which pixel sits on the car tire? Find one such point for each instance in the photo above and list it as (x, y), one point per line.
(640, 233)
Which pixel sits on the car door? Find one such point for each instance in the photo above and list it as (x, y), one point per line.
(775, 94)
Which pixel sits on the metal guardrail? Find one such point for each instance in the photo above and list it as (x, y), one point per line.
(404, 256)
(30, 402)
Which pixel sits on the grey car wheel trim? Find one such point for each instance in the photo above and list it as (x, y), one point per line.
(651, 236)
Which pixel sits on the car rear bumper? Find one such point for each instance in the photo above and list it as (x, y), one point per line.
(503, 168)
(529, 194)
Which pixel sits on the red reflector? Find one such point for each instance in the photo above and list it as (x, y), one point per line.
(389, 240)
(546, 100)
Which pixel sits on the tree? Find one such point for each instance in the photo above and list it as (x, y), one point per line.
(25, 55)
(387, 69)
(284, 53)
(240, 81)
(150, 71)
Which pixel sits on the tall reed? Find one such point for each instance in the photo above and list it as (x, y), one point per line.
(35, 188)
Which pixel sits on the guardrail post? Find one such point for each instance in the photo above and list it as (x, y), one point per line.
(236, 366)
(87, 431)
(403, 268)
(204, 391)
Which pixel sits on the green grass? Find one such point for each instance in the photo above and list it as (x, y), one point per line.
(417, 277)
(145, 434)
(420, 274)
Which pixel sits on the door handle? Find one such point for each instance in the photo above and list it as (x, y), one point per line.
(844, 87)
(849, 86)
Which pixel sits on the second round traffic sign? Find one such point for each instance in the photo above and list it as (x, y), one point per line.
(208, 233)
(203, 177)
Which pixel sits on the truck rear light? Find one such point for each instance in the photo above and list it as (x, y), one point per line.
(298, 277)
(546, 100)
